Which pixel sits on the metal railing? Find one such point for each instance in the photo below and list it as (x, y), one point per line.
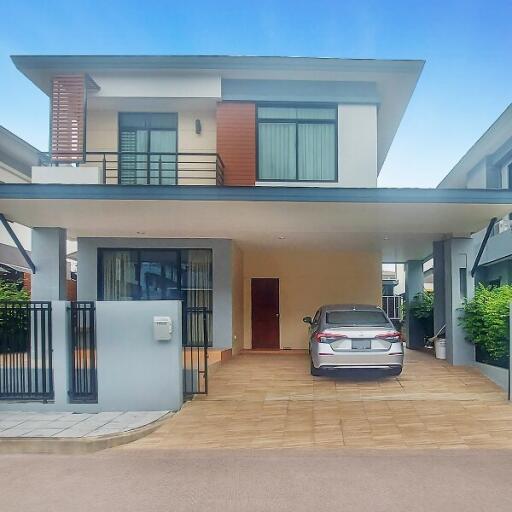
(196, 340)
(26, 371)
(149, 168)
(393, 306)
(83, 363)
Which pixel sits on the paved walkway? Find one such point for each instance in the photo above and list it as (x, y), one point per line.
(271, 401)
(71, 425)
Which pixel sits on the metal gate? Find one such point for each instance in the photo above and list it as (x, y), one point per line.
(83, 363)
(26, 371)
(197, 326)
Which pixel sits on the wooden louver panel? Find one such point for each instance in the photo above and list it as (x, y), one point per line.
(68, 103)
(236, 142)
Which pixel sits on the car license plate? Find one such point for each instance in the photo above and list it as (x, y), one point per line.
(361, 344)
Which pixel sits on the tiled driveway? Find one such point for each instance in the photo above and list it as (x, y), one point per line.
(271, 401)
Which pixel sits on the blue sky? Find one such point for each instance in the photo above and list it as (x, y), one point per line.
(466, 82)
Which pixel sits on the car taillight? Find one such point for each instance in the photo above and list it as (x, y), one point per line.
(328, 337)
(392, 336)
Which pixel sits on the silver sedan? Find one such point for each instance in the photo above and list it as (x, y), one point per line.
(353, 336)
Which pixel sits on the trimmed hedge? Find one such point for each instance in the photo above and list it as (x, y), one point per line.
(486, 319)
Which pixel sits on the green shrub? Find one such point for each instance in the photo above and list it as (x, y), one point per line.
(422, 305)
(486, 319)
(12, 291)
(14, 325)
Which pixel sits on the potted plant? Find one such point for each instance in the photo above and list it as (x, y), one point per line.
(421, 307)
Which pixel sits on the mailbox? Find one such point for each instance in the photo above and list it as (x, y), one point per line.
(162, 328)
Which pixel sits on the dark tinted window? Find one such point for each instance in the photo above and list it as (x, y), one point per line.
(356, 318)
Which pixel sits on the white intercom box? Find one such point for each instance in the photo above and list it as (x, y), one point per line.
(162, 328)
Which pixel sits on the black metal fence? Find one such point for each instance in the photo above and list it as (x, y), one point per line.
(196, 339)
(83, 363)
(393, 306)
(26, 371)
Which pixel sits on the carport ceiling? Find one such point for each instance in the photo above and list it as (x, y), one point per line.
(400, 230)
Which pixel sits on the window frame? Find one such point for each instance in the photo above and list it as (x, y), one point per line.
(148, 129)
(297, 122)
(179, 250)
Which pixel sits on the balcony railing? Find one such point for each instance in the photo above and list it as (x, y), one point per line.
(149, 168)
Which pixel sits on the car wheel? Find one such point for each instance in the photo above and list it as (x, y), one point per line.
(316, 372)
(395, 371)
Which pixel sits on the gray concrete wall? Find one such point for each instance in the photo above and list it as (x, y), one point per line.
(413, 285)
(498, 375)
(49, 257)
(87, 282)
(135, 372)
(458, 254)
(439, 287)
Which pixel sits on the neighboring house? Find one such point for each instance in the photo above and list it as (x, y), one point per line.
(17, 158)
(488, 165)
(244, 187)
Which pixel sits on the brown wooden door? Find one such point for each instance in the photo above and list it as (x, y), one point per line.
(265, 313)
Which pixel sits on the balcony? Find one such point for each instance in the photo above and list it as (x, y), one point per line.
(133, 168)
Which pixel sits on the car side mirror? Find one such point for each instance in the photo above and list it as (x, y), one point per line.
(307, 320)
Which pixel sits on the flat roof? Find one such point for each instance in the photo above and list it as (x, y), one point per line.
(213, 62)
(401, 224)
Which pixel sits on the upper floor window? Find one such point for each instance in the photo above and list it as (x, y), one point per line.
(297, 143)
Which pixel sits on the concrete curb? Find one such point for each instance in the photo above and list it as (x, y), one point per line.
(73, 446)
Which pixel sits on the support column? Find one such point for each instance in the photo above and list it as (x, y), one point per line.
(439, 287)
(49, 256)
(458, 284)
(413, 286)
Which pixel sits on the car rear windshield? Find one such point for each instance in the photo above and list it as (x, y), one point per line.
(356, 318)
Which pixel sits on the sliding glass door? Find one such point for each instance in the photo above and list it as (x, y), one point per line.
(148, 149)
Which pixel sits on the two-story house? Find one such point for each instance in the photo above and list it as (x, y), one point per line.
(244, 186)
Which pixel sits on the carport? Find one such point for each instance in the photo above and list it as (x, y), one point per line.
(299, 235)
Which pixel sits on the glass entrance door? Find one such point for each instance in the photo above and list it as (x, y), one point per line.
(147, 149)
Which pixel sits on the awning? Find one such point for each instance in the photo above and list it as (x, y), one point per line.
(401, 223)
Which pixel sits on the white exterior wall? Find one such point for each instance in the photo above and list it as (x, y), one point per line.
(357, 145)
(477, 177)
(158, 85)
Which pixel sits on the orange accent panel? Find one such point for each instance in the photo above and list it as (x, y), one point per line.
(236, 142)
